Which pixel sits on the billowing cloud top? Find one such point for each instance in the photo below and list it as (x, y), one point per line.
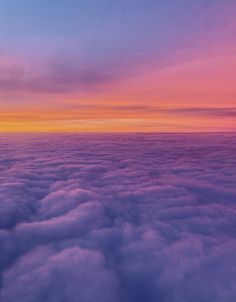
(128, 218)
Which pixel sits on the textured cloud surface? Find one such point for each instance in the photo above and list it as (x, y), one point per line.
(128, 218)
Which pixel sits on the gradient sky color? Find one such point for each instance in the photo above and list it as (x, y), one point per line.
(118, 65)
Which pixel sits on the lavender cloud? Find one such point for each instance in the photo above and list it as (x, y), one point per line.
(117, 218)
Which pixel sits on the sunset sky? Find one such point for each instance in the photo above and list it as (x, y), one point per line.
(118, 65)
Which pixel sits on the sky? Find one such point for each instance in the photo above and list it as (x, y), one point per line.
(117, 65)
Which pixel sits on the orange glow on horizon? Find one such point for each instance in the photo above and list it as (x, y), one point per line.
(114, 119)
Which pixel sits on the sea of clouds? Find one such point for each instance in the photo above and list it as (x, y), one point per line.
(131, 218)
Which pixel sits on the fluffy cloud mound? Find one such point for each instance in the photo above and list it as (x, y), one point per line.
(128, 218)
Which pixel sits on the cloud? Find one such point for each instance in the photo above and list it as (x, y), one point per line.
(61, 276)
(117, 218)
(56, 75)
(205, 112)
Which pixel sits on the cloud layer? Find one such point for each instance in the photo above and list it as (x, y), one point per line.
(117, 218)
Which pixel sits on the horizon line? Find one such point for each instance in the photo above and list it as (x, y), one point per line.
(118, 132)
